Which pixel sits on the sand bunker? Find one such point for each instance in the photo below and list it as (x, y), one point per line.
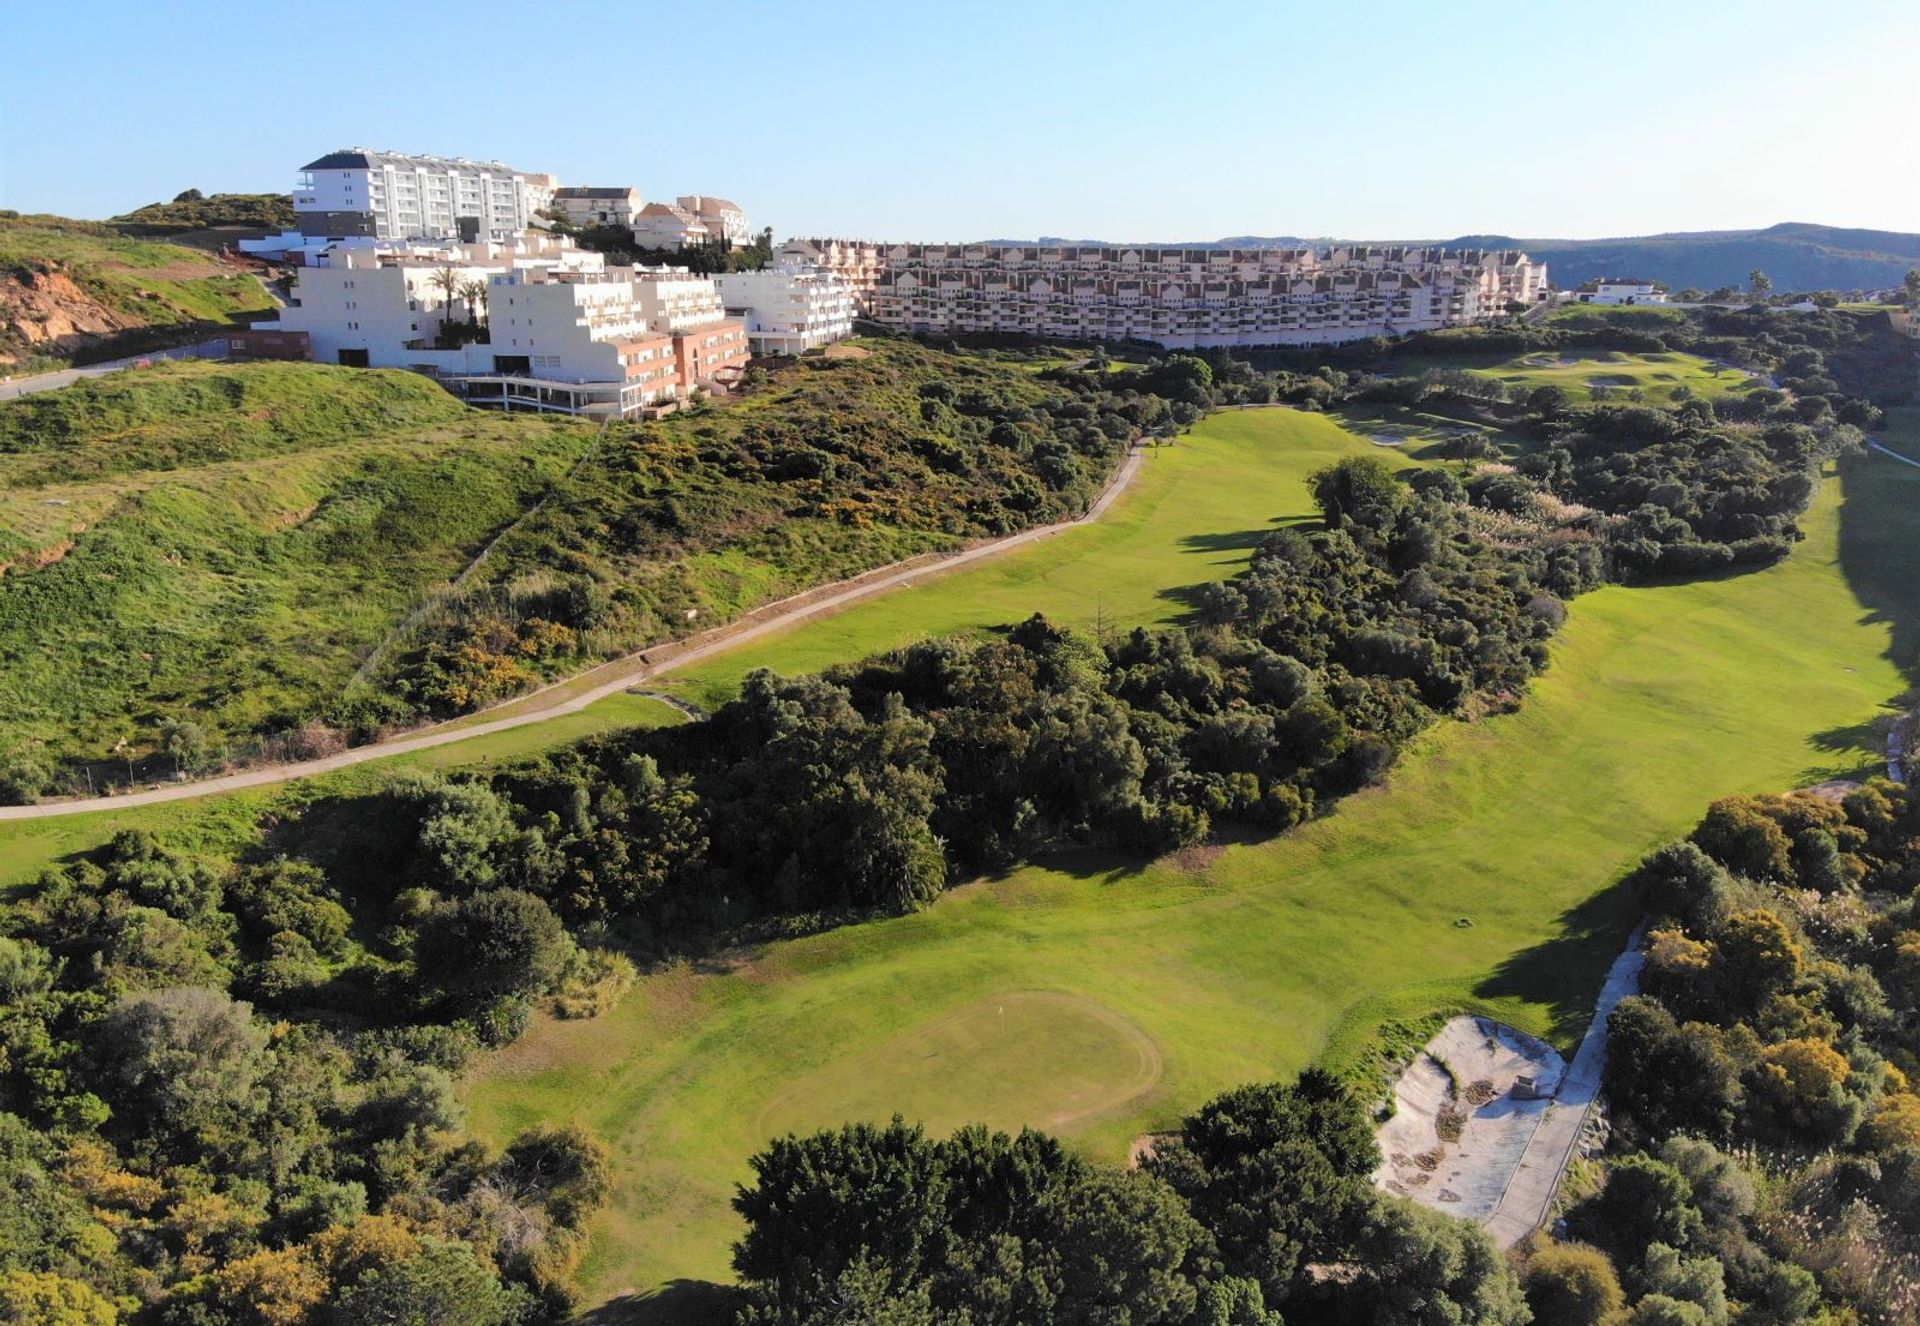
(1463, 1116)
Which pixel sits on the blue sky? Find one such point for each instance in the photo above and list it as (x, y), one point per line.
(937, 121)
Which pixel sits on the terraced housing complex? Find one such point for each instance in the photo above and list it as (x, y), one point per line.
(1178, 298)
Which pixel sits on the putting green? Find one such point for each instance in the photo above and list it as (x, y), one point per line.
(1478, 879)
(1025, 1057)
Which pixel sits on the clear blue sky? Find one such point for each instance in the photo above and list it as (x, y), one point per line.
(905, 119)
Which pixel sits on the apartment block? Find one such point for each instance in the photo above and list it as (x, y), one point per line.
(393, 195)
(533, 325)
(588, 206)
(789, 309)
(689, 221)
(856, 263)
(1180, 298)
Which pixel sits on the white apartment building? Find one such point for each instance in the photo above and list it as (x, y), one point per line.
(723, 220)
(597, 206)
(688, 221)
(558, 331)
(393, 195)
(1622, 290)
(789, 309)
(856, 262)
(1182, 298)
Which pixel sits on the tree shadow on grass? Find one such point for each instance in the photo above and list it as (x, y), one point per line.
(1879, 532)
(676, 1303)
(1566, 972)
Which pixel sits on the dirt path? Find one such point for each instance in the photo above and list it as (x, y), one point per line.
(611, 678)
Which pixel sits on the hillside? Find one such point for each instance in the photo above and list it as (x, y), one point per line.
(261, 548)
(1796, 255)
(82, 290)
(191, 211)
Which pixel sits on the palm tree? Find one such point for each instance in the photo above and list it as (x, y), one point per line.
(447, 279)
(475, 293)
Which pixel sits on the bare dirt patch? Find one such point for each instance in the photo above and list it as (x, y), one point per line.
(1464, 1111)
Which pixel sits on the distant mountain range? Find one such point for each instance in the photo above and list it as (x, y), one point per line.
(1795, 255)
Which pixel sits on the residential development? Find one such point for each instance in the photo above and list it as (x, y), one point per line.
(393, 195)
(1178, 298)
(534, 323)
(789, 308)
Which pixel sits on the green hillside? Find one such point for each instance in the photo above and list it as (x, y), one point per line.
(83, 290)
(1795, 255)
(257, 548)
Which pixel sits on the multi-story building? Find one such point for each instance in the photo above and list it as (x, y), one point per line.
(670, 226)
(597, 206)
(857, 263)
(533, 325)
(789, 309)
(392, 195)
(723, 220)
(690, 220)
(1182, 298)
(1621, 290)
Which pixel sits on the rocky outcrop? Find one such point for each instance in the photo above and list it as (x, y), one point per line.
(45, 311)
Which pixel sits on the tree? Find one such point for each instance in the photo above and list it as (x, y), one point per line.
(475, 293)
(185, 742)
(1277, 1174)
(1120, 1242)
(1571, 1284)
(491, 945)
(1418, 1267)
(1759, 283)
(444, 1285)
(37, 1298)
(186, 1065)
(447, 281)
(464, 831)
(1647, 1201)
(1360, 490)
(1910, 287)
(821, 1203)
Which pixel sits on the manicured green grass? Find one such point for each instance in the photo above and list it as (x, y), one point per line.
(1631, 315)
(1578, 372)
(1192, 517)
(227, 823)
(1479, 878)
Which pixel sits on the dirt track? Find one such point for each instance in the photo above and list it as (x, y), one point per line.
(619, 675)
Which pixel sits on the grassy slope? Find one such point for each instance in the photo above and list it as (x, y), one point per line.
(1192, 517)
(236, 568)
(120, 272)
(1578, 372)
(1273, 954)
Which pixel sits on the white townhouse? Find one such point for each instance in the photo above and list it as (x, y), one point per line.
(789, 309)
(587, 206)
(1622, 290)
(723, 220)
(394, 195)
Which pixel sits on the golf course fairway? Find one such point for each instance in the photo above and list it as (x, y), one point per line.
(1101, 997)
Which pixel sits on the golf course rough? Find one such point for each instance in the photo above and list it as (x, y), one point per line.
(1252, 961)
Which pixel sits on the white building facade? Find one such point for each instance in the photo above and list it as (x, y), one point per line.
(532, 325)
(1622, 290)
(1180, 298)
(587, 206)
(393, 195)
(789, 309)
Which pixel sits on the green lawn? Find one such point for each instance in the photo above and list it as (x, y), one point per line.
(1479, 878)
(1578, 372)
(1193, 516)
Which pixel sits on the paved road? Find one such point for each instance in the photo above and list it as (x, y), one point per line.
(66, 377)
(1528, 1198)
(622, 675)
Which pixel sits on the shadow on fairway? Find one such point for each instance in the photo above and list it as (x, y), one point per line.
(1564, 972)
(1879, 522)
(676, 1303)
